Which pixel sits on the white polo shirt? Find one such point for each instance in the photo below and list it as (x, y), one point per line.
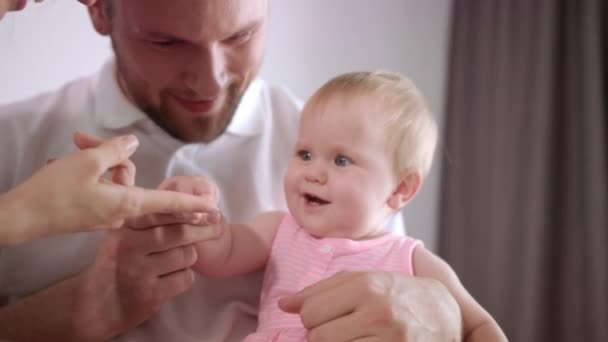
(247, 162)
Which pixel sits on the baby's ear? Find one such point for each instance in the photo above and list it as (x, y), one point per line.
(408, 185)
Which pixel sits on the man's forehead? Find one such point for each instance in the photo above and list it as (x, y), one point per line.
(196, 19)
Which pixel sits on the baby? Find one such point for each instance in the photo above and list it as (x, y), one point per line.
(366, 141)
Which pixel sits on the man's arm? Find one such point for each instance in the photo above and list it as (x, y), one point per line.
(240, 248)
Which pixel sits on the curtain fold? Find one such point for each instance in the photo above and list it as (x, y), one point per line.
(525, 185)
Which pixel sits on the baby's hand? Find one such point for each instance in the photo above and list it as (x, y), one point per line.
(195, 185)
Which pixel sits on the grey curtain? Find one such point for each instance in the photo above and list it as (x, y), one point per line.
(524, 208)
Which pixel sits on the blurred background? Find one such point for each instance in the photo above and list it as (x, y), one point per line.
(517, 201)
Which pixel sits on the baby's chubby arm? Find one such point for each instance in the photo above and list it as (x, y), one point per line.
(237, 248)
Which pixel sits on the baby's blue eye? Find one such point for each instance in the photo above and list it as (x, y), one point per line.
(305, 155)
(342, 160)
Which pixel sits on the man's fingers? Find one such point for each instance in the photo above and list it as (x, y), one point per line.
(345, 328)
(173, 260)
(328, 305)
(174, 284)
(164, 238)
(294, 303)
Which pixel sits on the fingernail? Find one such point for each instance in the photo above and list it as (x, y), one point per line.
(196, 218)
(131, 142)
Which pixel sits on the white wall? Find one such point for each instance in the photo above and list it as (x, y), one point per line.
(46, 45)
(309, 41)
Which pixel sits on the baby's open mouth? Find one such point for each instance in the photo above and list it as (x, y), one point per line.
(312, 199)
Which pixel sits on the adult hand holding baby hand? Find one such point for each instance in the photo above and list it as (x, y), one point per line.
(140, 267)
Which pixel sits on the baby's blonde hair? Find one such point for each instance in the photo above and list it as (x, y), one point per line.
(410, 125)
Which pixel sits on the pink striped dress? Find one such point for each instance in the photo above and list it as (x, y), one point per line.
(298, 260)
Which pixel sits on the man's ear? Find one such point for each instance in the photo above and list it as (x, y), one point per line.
(409, 184)
(99, 17)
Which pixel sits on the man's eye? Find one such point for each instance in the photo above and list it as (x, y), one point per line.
(305, 155)
(164, 43)
(238, 38)
(342, 160)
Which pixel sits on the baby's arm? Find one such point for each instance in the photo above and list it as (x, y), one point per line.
(478, 325)
(240, 248)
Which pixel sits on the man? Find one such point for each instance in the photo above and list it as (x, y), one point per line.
(184, 83)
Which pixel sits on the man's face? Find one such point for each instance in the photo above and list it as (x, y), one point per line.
(186, 63)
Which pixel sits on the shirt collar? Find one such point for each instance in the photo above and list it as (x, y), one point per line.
(112, 108)
(114, 111)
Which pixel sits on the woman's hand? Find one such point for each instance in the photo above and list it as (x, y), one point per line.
(18, 5)
(71, 194)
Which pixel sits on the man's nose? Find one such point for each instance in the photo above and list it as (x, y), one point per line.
(206, 74)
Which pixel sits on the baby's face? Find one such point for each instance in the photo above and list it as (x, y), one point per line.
(341, 175)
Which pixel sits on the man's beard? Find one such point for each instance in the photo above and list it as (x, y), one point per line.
(206, 128)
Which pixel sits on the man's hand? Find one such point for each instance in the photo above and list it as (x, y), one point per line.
(135, 271)
(146, 263)
(382, 306)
